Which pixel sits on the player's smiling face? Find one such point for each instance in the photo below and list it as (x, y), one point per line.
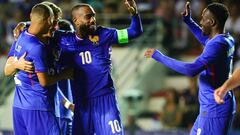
(86, 20)
(206, 22)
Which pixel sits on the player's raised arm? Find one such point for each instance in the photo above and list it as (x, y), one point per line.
(135, 29)
(192, 25)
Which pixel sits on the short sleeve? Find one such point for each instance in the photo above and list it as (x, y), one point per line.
(39, 57)
(11, 51)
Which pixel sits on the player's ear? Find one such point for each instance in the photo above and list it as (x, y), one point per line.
(212, 22)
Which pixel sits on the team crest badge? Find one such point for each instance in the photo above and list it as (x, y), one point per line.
(94, 39)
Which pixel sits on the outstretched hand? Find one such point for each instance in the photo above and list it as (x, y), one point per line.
(187, 11)
(219, 94)
(149, 52)
(24, 65)
(131, 6)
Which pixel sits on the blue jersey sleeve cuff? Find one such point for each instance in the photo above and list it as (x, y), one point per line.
(156, 55)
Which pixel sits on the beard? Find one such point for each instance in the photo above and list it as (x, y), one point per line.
(205, 31)
(87, 29)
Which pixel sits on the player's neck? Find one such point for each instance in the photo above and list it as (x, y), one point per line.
(35, 30)
(37, 33)
(215, 32)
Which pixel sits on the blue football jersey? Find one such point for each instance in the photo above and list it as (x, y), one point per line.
(93, 85)
(214, 66)
(217, 57)
(29, 93)
(12, 49)
(91, 59)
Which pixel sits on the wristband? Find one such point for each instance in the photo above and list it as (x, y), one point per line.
(67, 104)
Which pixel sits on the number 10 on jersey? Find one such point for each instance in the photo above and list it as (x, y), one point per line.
(86, 57)
(115, 126)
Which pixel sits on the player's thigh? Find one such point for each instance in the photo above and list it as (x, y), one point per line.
(213, 126)
(82, 121)
(107, 119)
(41, 123)
(109, 125)
(221, 126)
(19, 126)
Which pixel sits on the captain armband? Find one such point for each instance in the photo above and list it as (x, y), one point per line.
(122, 36)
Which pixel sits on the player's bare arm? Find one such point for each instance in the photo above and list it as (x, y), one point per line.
(230, 84)
(46, 80)
(13, 65)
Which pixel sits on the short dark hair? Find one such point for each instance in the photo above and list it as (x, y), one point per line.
(219, 11)
(42, 11)
(65, 25)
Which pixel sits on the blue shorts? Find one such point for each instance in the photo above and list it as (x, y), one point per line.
(212, 126)
(65, 126)
(98, 115)
(34, 122)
